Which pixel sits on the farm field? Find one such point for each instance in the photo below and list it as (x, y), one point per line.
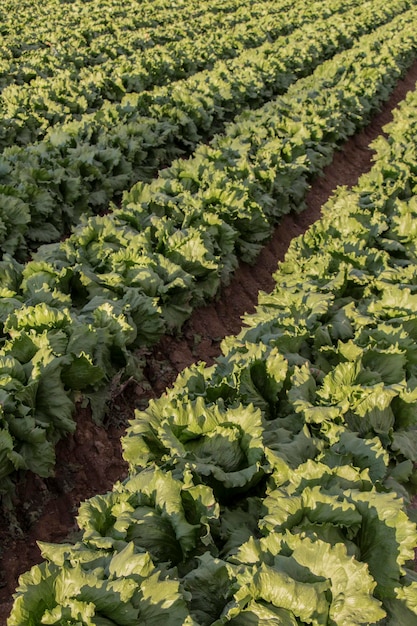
(99, 321)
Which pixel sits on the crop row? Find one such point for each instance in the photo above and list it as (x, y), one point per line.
(91, 46)
(84, 35)
(28, 110)
(79, 166)
(272, 487)
(73, 315)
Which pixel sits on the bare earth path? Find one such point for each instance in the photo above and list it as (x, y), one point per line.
(90, 461)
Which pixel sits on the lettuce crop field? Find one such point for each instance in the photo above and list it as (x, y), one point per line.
(208, 317)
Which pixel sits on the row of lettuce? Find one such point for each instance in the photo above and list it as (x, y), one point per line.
(273, 488)
(75, 314)
(28, 110)
(43, 39)
(149, 57)
(80, 165)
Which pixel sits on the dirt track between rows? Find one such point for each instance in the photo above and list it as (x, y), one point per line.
(90, 461)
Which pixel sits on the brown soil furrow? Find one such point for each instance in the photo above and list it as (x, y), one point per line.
(90, 461)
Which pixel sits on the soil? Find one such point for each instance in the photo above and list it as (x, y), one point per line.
(90, 461)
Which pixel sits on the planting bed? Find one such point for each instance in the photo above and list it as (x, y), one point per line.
(90, 461)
